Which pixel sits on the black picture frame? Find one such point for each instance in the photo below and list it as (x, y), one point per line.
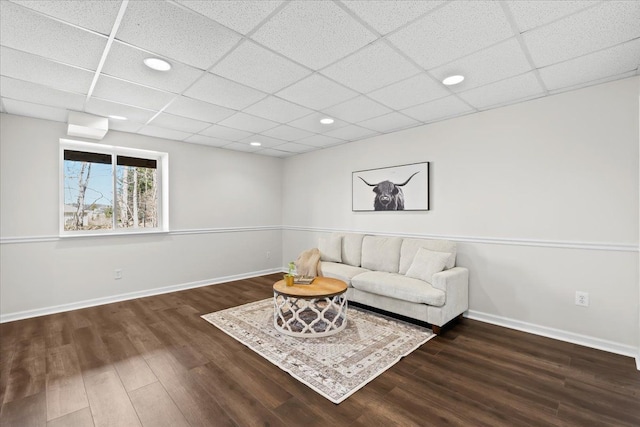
(392, 188)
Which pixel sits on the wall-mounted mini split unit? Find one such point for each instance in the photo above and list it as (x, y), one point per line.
(87, 125)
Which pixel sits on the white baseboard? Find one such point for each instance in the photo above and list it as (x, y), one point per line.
(558, 334)
(10, 317)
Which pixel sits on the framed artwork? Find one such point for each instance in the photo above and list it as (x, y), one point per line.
(395, 188)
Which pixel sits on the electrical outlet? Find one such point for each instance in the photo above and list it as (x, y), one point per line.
(582, 298)
(117, 274)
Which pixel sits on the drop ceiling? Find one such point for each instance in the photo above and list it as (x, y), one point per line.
(268, 71)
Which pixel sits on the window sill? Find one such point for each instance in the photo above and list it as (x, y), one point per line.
(71, 235)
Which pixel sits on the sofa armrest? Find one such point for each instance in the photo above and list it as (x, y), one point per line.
(455, 284)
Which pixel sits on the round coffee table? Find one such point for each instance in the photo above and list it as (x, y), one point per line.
(315, 310)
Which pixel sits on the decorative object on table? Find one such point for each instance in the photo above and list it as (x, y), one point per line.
(303, 280)
(308, 263)
(396, 188)
(335, 366)
(289, 277)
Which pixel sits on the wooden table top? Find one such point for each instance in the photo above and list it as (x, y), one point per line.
(321, 287)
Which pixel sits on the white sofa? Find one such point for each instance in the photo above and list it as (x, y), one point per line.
(416, 278)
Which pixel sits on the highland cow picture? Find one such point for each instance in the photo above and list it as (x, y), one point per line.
(396, 188)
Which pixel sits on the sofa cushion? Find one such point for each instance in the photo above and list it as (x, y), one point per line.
(352, 249)
(381, 253)
(427, 263)
(410, 248)
(399, 287)
(341, 271)
(330, 248)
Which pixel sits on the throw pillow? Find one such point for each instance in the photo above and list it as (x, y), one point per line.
(426, 263)
(330, 248)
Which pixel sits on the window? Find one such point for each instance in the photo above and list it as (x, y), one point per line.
(107, 189)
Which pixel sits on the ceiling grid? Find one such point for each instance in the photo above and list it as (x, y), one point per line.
(267, 71)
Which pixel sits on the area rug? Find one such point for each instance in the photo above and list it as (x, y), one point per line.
(336, 366)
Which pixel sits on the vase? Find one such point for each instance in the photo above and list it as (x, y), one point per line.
(288, 280)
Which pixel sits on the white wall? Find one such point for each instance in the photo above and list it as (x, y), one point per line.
(225, 214)
(542, 196)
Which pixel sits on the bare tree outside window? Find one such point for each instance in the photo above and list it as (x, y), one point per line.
(88, 191)
(137, 197)
(92, 179)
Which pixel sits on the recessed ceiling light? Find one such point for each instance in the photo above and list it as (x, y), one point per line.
(157, 64)
(255, 143)
(114, 117)
(453, 80)
(326, 121)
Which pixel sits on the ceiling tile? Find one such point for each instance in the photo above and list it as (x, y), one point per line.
(131, 94)
(439, 109)
(104, 108)
(248, 122)
(530, 14)
(36, 69)
(321, 141)
(413, 91)
(259, 68)
(274, 153)
(176, 33)
(371, 68)
(196, 109)
(313, 33)
(31, 32)
(312, 123)
(126, 62)
(453, 31)
(264, 140)
(38, 94)
(599, 27)
(609, 62)
(222, 132)
(125, 126)
(357, 109)
(351, 133)
(316, 92)
(240, 146)
(292, 147)
(278, 110)
(28, 109)
(287, 133)
(386, 16)
(489, 65)
(389, 122)
(241, 16)
(504, 92)
(207, 140)
(220, 91)
(179, 123)
(95, 15)
(160, 132)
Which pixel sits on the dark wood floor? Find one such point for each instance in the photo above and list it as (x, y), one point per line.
(154, 362)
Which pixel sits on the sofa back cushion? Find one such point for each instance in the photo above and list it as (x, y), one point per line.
(381, 253)
(330, 248)
(410, 249)
(352, 249)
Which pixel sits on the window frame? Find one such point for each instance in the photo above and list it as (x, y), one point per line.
(162, 168)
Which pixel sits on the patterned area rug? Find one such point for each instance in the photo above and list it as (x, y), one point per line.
(336, 366)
